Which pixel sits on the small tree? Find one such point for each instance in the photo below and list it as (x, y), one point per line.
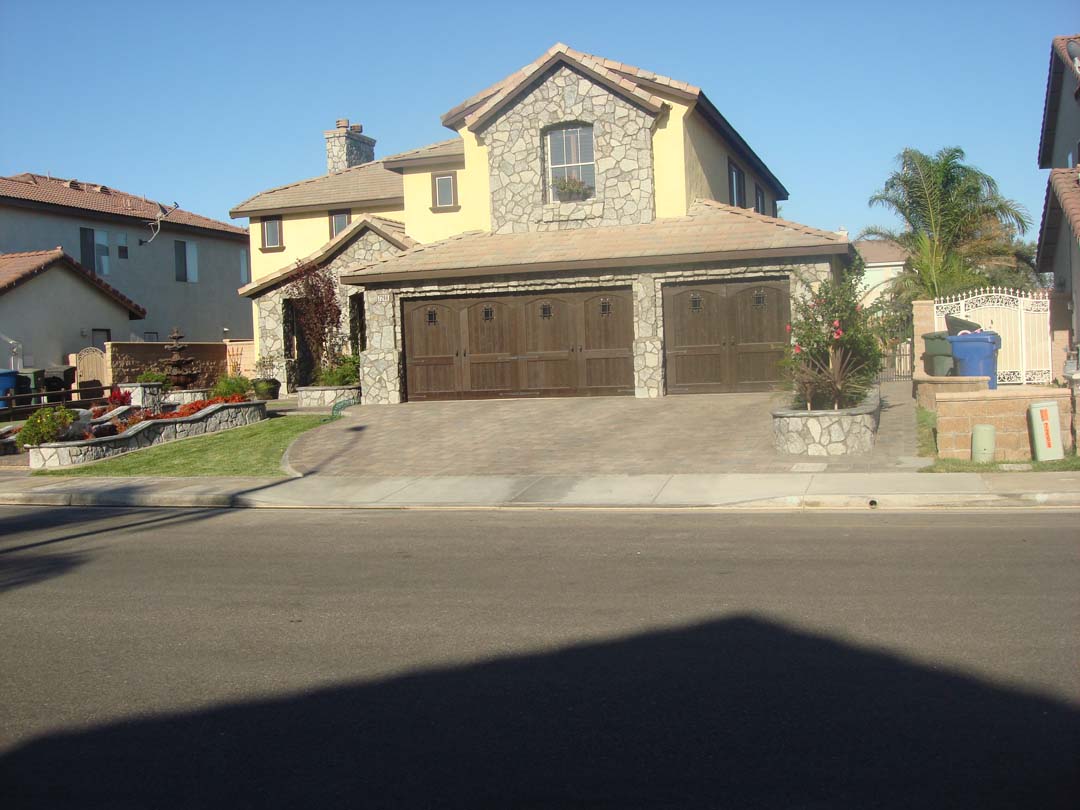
(317, 310)
(835, 356)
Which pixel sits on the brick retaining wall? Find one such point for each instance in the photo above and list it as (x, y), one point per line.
(927, 388)
(1006, 410)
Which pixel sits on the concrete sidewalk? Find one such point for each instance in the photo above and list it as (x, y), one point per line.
(893, 490)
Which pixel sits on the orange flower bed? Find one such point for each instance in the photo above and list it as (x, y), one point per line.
(192, 408)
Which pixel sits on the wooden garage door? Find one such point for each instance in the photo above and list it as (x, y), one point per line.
(563, 343)
(725, 336)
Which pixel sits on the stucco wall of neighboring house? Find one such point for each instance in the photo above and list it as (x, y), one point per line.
(50, 313)
(876, 278)
(303, 233)
(148, 275)
(1066, 126)
(474, 198)
(707, 166)
(622, 136)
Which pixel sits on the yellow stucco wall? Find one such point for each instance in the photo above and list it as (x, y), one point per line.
(302, 235)
(669, 161)
(474, 199)
(706, 165)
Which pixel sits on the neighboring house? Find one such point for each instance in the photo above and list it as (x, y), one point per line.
(51, 306)
(1059, 151)
(592, 228)
(884, 261)
(186, 276)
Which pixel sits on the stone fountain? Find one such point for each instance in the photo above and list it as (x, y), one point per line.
(177, 366)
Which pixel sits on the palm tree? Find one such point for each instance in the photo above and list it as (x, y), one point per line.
(955, 221)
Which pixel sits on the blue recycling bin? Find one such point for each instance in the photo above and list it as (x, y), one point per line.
(8, 379)
(975, 355)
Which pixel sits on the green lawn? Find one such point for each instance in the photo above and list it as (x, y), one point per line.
(925, 436)
(947, 465)
(255, 450)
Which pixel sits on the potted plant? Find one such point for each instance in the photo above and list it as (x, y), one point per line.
(266, 386)
(571, 188)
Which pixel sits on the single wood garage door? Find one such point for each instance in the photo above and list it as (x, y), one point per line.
(572, 343)
(725, 336)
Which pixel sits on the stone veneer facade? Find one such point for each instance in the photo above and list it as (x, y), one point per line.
(347, 147)
(366, 248)
(382, 361)
(326, 396)
(622, 145)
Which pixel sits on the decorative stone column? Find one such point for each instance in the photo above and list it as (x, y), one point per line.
(271, 331)
(648, 340)
(380, 363)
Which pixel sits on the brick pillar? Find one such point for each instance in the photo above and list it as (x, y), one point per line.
(922, 318)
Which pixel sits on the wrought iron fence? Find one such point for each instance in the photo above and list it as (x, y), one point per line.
(897, 363)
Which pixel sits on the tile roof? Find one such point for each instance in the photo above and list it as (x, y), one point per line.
(78, 194)
(15, 268)
(711, 231)
(1062, 201)
(1060, 65)
(881, 251)
(390, 230)
(443, 150)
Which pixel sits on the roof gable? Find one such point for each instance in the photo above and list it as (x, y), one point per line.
(18, 268)
(1061, 65)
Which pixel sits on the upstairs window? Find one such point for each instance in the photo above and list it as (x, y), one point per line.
(736, 184)
(571, 170)
(186, 255)
(245, 267)
(121, 246)
(339, 221)
(94, 250)
(271, 234)
(759, 199)
(444, 193)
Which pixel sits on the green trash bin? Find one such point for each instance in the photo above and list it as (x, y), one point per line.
(938, 360)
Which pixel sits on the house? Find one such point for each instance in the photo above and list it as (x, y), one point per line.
(592, 228)
(883, 261)
(182, 267)
(1059, 151)
(80, 309)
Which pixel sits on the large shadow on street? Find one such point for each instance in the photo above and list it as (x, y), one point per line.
(740, 713)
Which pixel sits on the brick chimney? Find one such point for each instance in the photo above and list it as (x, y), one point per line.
(347, 146)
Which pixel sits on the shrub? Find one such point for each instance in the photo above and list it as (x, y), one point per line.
(267, 365)
(228, 386)
(345, 370)
(118, 397)
(834, 357)
(155, 377)
(45, 425)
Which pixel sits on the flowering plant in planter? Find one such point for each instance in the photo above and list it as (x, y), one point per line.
(571, 188)
(834, 356)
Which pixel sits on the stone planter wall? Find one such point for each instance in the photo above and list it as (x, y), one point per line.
(827, 433)
(184, 397)
(222, 416)
(145, 395)
(326, 396)
(927, 388)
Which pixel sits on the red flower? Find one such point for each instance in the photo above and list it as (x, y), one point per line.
(839, 333)
(836, 324)
(858, 307)
(788, 327)
(798, 348)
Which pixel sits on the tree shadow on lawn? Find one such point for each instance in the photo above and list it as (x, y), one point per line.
(739, 712)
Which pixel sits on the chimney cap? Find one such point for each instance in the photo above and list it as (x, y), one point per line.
(343, 123)
(357, 128)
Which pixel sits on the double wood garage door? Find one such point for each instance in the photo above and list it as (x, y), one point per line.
(718, 336)
(560, 344)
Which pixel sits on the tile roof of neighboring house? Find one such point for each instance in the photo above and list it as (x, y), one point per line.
(711, 231)
(634, 83)
(443, 151)
(390, 230)
(881, 251)
(15, 268)
(1061, 63)
(77, 194)
(1062, 200)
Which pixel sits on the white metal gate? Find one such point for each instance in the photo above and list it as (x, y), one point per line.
(1023, 321)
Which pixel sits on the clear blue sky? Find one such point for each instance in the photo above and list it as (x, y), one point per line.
(207, 103)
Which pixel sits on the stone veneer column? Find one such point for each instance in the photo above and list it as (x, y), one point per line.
(271, 330)
(380, 366)
(648, 338)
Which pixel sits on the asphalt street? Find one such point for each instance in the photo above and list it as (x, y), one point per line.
(154, 658)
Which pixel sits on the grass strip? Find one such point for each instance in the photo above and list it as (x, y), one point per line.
(251, 451)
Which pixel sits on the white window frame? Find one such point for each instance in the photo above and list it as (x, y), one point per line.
(444, 181)
(280, 228)
(552, 165)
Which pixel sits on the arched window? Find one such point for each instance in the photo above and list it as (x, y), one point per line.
(571, 170)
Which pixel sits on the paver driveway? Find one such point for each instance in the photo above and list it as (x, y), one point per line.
(702, 433)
